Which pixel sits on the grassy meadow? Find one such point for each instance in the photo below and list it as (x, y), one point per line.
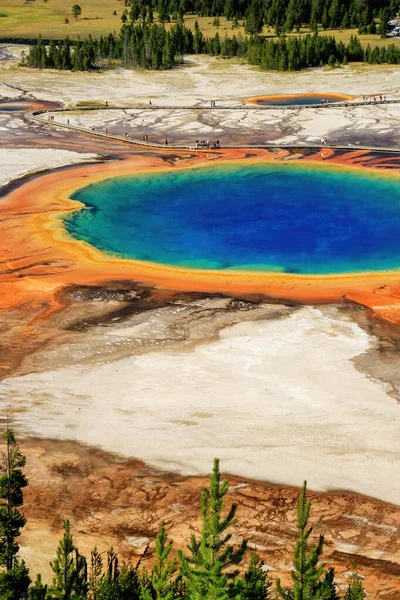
(28, 19)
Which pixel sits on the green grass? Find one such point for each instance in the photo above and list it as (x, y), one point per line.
(29, 19)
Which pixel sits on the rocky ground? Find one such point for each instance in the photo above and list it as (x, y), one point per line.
(119, 502)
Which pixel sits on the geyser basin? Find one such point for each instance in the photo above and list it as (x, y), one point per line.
(298, 99)
(263, 217)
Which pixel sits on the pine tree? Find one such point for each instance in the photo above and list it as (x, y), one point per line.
(198, 38)
(254, 20)
(69, 567)
(95, 573)
(14, 576)
(167, 55)
(207, 568)
(162, 9)
(163, 569)
(76, 11)
(119, 583)
(254, 585)
(383, 25)
(127, 585)
(334, 14)
(108, 582)
(309, 577)
(14, 583)
(39, 591)
(81, 583)
(372, 27)
(328, 589)
(325, 18)
(355, 590)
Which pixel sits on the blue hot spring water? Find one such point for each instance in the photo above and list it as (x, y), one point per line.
(288, 218)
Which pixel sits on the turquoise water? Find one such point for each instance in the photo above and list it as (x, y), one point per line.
(283, 217)
(298, 100)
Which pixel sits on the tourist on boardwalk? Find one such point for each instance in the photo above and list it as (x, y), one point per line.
(106, 131)
(149, 102)
(106, 102)
(166, 141)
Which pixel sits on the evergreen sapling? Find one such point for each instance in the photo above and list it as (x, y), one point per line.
(209, 566)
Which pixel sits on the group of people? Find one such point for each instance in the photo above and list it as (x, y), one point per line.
(374, 99)
(213, 103)
(126, 135)
(145, 138)
(206, 144)
(324, 141)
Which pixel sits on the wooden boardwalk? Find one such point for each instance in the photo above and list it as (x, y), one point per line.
(41, 116)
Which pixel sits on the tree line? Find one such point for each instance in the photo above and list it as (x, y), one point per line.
(209, 568)
(152, 46)
(282, 14)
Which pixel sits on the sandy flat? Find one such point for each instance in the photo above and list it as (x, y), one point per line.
(200, 79)
(19, 162)
(276, 400)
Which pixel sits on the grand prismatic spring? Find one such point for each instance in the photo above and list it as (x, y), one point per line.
(288, 218)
